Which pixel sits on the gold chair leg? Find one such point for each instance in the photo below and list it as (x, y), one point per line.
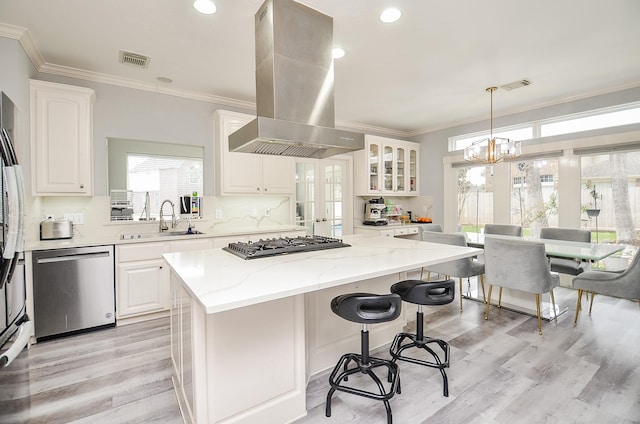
(593, 294)
(500, 298)
(460, 294)
(421, 272)
(538, 310)
(428, 275)
(578, 307)
(484, 297)
(486, 313)
(553, 304)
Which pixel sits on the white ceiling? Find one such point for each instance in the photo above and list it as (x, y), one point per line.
(427, 71)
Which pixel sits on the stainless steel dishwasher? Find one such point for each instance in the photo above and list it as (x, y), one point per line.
(73, 290)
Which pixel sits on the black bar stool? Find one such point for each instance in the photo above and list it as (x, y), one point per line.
(365, 308)
(423, 293)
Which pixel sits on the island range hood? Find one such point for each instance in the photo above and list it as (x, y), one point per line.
(294, 86)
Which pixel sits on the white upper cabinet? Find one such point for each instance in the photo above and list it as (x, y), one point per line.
(61, 139)
(247, 173)
(387, 167)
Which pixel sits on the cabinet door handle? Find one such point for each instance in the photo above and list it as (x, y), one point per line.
(265, 189)
(160, 266)
(258, 188)
(81, 185)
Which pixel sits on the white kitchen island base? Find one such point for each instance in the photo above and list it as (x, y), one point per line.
(247, 335)
(248, 364)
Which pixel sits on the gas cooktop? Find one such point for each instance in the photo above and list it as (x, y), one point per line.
(282, 246)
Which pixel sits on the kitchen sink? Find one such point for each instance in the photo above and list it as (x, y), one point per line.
(179, 233)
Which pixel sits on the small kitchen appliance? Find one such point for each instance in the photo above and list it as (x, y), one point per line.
(374, 212)
(55, 230)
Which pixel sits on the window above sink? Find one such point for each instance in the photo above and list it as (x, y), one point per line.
(164, 170)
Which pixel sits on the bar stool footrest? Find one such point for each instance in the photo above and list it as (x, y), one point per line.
(398, 346)
(341, 373)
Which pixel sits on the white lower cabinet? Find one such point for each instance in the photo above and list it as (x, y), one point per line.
(142, 279)
(143, 287)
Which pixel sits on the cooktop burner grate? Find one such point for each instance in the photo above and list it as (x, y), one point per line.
(282, 246)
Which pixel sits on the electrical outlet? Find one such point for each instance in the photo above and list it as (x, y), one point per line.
(254, 212)
(267, 211)
(76, 218)
(218, 213)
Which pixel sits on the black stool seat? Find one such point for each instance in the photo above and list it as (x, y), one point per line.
(423, 293)
(365, 308)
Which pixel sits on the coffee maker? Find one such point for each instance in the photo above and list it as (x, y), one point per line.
(374, 212)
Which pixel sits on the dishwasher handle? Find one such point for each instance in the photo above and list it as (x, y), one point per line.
(73, 257)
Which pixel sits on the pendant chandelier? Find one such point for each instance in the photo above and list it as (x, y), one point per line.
(492, 149)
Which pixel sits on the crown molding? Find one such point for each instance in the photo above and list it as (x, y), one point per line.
(66, 71)
(26, 41)
(355, 126)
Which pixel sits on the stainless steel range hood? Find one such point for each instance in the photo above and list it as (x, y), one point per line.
(294, 86)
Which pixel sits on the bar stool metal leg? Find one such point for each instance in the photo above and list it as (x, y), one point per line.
(365, 308)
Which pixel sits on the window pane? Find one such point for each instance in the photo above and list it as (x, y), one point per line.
(475, 198)
(164, 178)
(611, 184)
(534, 194)
(605, 120)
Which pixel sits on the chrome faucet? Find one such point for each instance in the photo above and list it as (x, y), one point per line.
(163, 224)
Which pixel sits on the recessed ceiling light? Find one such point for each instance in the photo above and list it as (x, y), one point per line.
(338, 53)
(390, 15)
(205, 7)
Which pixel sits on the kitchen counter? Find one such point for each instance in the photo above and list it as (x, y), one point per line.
(149, 236)
(247, 334)
(240, 282)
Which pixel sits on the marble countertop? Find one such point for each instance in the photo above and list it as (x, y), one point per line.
(100, 240)
(221, 281)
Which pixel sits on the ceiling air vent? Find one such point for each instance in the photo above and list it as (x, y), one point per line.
(516, 84)
(134, 59)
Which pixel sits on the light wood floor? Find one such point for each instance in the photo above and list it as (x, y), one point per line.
(502, 371)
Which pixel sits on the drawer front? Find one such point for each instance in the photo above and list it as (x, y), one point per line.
(141, 251)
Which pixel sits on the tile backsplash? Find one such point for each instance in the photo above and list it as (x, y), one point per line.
(219, 214)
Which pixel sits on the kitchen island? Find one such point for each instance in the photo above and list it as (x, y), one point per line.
(246, 335)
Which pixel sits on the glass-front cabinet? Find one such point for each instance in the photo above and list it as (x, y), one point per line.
(413, 171)
(387, 167)
(373, 158)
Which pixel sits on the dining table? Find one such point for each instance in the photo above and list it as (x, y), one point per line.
(583, 251)
(524, 302)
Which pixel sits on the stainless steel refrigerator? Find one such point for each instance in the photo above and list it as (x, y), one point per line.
(15, 327)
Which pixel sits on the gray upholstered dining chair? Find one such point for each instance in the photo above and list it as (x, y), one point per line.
(503, 229)
(431, 227)
(564, 265)
(519, 265)
(460, 268)
(625, 285)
